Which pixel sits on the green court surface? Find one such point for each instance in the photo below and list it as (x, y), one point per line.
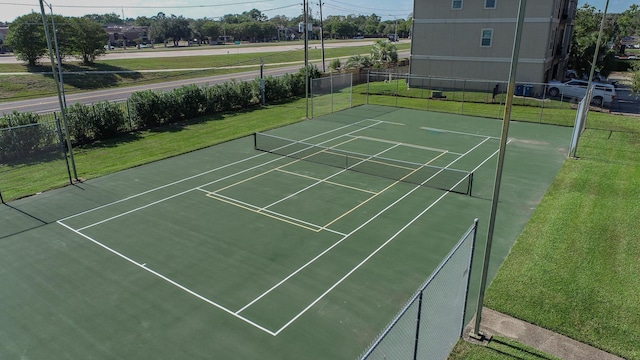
(236, 253)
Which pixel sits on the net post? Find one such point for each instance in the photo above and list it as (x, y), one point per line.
(470, 186)
(1, 198)
(255, 141)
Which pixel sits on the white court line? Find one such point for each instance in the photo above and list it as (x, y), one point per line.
(327, 178)
(194, 188)
(328, 182)
(144, 267)
(406, 144)
(385, 243)
(258, 210)
(340, 241)
(216, 169)
(458, 132)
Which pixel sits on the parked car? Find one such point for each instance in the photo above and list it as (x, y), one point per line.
(603, 94)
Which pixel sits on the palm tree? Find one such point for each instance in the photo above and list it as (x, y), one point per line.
(384, 53)
(358, 61)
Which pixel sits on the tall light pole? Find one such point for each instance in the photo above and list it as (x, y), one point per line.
(322, 37)
(475, 332)
(305, 7)
(61, 100)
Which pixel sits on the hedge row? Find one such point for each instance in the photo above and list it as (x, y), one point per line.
(144, 110)
(22, 136)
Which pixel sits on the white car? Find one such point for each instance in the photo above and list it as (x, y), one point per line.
(603, 94)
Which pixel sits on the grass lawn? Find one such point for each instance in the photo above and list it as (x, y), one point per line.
(142, 147)
(575, 267)
(499, 348)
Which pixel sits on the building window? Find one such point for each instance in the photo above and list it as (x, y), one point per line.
(490, 4)
(456, 4)
(487, 35)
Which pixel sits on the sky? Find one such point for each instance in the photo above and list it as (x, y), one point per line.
(197, 9)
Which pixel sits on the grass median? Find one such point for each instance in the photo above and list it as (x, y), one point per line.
(128, 72)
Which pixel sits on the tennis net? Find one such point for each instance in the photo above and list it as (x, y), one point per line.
(447, 179)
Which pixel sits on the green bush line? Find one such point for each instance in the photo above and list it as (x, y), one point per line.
(144, 110)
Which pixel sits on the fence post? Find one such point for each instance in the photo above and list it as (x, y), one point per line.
(126, 103)
(311, 96)
(331, 89)
(544, 95)
(351, 90)
(415, 346)
(464, 89)
(397, 88)
(368, 75)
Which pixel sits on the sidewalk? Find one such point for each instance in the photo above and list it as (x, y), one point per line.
(495, 323)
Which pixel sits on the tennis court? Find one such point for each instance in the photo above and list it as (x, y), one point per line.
(302, 242)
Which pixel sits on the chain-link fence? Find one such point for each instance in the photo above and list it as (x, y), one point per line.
(330, 94)
(431, 323)
(32, 143)
(485, 98)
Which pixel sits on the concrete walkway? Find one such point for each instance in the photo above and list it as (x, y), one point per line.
(497, 324)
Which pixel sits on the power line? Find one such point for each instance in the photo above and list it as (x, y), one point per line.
(370, 8)
(111, 6)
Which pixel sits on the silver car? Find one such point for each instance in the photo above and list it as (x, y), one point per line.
(603, 94)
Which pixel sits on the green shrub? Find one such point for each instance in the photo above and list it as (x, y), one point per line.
(110, 120)
(144, 109)
(82, 120)
(192, 101)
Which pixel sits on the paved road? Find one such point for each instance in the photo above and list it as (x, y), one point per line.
(627, 102)
(50, 104)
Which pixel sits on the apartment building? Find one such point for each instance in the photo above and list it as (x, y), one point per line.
(473, 39)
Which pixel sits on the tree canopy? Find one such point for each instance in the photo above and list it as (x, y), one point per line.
(27, 38)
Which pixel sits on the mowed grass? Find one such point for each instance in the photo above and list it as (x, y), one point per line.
(575, 268)
(142, 147)
(499, 348)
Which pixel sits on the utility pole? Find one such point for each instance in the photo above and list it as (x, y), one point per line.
(322, 37)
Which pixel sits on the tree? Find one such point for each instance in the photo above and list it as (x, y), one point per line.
(635, 78)
(384, 53)
(212, 30)
(584, 40)
(105, 19)
(358, 61)
(27, 38)
(142, 21)
(88, 39)
(159, 29)
(178, 29)
(254, 15)
(629, 21)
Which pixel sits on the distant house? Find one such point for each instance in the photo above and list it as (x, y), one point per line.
(3, 35)
(118, 35)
